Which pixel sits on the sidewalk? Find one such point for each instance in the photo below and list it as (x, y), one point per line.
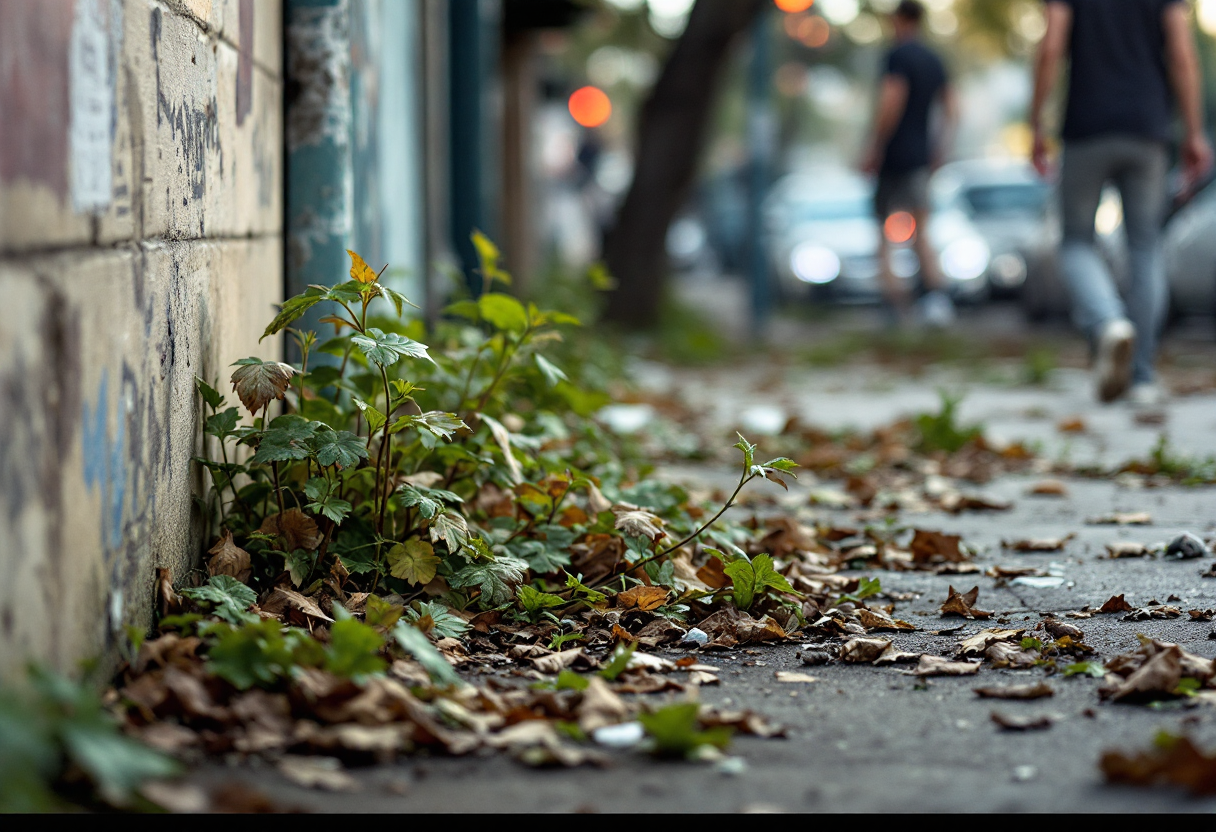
(866, 738)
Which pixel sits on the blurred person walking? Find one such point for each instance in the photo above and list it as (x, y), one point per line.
(903, 155)
(1131, 60)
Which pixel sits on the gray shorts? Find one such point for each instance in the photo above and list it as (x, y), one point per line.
(902, 192)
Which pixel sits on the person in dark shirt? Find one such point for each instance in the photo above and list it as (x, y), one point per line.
(903, 155)
(1131, 62)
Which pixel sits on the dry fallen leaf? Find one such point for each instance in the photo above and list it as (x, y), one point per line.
(794, 678)
(1116, 604)
(298, 530)
(964, 604)
(934, 547)
(1160, 612)
(1121, 549)
(638, 522)
(1045, 544)
(862, 650)
(229, 559)
(1178, 763)
(979, 643)
(283, 602)
(1133, 518)
(1074, 424)
(1005, 654)
(600, 706)
(1040, 690)
(325, 773)
(1059, 629)
(1049, 488)
(938, 666)
(644, 598)
(873, 620)
(1022, 723)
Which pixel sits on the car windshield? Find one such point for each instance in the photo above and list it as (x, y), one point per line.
(830, 209)
(1020, 198)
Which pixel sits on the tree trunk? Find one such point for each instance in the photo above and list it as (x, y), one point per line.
(671, 136)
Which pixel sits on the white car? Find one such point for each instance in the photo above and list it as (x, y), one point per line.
(822, 238)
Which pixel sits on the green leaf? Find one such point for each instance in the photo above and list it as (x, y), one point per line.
(467, 309)
(503, 312)
(619, 661)
(542, 557)
(211, 397)
(429, 501)
(440, 425)
(387, 348)
(229, 597)
(769, 578)
(444, 624)
(675, 730)
(1094, 669)
(375, 419)
(489, 255)
(380, 613)
(413, 562)
(339, 447)
(254, 654)
(781, 464)
(117, 764)
(222, 424)
(286, 441)
(559, 641)
(866, 588)
(354, 650)
(451, 528)
(349, 292)
(553, 374)
(749, 452)
(300, 565)
(325, 500)
(294, 309)
(568, 679)
(533, 600)
(1032, 643)
(496, 579)
(589, 595)
(744, 578)
(412, 641)
(1187, 686)
(398, 300)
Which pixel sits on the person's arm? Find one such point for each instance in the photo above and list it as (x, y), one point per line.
(1183, 66)
(1046, 70)
(892, 102)
(950, 117)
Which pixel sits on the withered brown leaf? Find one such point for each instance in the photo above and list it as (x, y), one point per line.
(644, 598)
(935, 547)
(298, 530)
(1040, 690)
(1116, 603)
(1180, 763)
(229, 559)
(259, 384)
(963, 604)
(638, 522)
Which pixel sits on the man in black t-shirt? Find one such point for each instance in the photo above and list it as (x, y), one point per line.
(903, 155)
(1131, 62)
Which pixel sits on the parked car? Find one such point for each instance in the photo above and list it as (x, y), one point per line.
(822, 239)
(1007, 202)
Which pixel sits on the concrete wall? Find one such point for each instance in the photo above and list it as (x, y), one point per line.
(140, 245)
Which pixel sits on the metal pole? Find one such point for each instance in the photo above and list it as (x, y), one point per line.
(761, 142)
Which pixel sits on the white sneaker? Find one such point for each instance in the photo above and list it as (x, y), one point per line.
(1146, 395)
(937, 310)
(1114, 366)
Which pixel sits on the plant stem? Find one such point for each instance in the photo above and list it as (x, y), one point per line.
(704, 527)
(278, 491)
(387, 451)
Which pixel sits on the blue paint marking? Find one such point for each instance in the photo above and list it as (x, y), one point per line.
(103, 461)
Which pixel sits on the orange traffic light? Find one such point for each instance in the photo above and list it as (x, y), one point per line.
(590, 106)
(794, 6)
(900, 227)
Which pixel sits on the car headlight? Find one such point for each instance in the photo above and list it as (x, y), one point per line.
(1008, 270)
(812, 263)
(966, 259)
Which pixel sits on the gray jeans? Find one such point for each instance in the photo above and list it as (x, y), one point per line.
(1137, 168)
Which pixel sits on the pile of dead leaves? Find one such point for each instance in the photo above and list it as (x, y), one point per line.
(1176, 761)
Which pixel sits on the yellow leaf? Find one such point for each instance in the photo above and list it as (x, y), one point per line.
(359, 270)
(413, 562)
